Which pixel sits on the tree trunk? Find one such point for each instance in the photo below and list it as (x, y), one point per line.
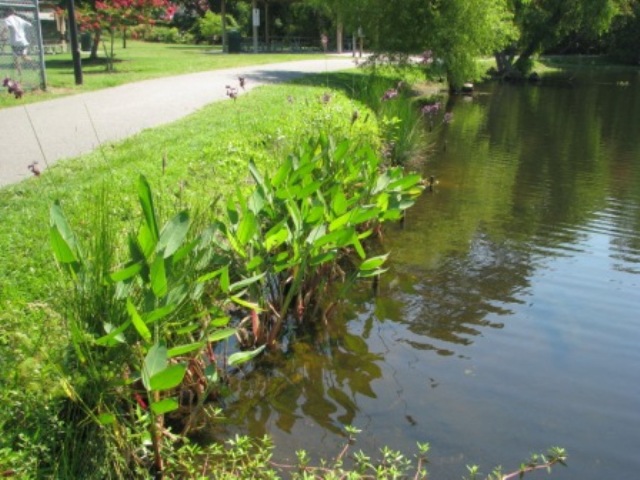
(95, 46)
(223, 13)
(339, 33)
(522, 63)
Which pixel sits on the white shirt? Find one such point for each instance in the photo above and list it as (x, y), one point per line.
(17, 34)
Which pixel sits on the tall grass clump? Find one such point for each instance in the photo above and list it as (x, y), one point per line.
(387, 92)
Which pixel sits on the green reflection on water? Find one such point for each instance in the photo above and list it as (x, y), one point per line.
(527, 174)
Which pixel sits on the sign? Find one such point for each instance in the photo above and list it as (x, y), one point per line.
(256, 17)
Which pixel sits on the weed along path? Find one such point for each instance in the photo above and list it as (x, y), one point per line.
(41, 134)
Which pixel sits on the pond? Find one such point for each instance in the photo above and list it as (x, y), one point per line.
(509, 319)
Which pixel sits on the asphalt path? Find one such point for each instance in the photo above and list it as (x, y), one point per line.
(66, 127)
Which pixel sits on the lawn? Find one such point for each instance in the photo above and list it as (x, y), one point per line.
(139, 61)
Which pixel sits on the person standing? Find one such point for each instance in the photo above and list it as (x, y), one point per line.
(17, 37)
(324, 40)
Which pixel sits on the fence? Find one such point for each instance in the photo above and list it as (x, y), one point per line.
(29, 70)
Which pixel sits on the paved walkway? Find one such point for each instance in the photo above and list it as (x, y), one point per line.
(66, 127)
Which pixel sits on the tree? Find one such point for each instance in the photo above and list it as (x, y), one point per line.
(456, 31)
(544, 23)
(340, 12)
(211, 26)
(112, 15)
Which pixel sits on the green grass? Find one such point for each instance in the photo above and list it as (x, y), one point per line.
(139, 61)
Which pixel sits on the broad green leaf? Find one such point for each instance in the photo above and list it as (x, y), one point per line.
(232, 212)
(339, 238)
(220, 335)
(340, 222)
(185, 250)
(371, 273)
(256, 201)
(184, 349)
(316, 233)
(373, 262)
(211, 372)
(248, 228)
(113, 336)
(137, 321)
(154, 362)
(309, 190)
(314, 215)
(404, 183)
(173, 234)
(63, 240)
(391, 215)
(220, 322)
(294, 214)
(177, 294)
(247, 281)
(341, 150)
(358, 246)
(165, 405)
(324, 257)
(146, 241)
(146, 202)
(381, 183)
(255, 263)
(211, 275)
(276, 236)
(168, 378)
(239, 358)
(382, 201)
(244, 303)
(158, 314)
(158, 277)
(224, 279)
(126, 273)
(257, 176)
(363, 214)
(188, 329)
(282, 173)
(339, 203)
(63, 253)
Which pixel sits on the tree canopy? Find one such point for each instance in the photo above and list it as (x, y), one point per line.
(456, 31)
(544, 23)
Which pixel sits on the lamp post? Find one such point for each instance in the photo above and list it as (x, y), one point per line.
(256, 23)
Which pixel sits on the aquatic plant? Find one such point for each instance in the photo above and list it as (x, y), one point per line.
(301, 230)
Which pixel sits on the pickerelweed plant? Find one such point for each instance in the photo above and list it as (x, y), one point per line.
(302, 228)
(149, 349)
(148, 333)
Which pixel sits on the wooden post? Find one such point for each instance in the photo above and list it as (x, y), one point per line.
(223, 13)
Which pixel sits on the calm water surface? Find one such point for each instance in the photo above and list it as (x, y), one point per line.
(509, 320)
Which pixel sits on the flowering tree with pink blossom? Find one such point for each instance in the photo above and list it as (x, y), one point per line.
(114, 15)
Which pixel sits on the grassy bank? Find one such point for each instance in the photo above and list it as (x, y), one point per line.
(63, 386)
(190, 164)
(139, 61)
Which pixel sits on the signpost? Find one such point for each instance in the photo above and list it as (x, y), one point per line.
(256, 24)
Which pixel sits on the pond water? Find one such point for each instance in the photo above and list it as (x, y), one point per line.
(509, 319)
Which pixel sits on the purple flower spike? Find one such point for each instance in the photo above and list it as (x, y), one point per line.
(431, 109)
(448, 117)
(389, 94)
